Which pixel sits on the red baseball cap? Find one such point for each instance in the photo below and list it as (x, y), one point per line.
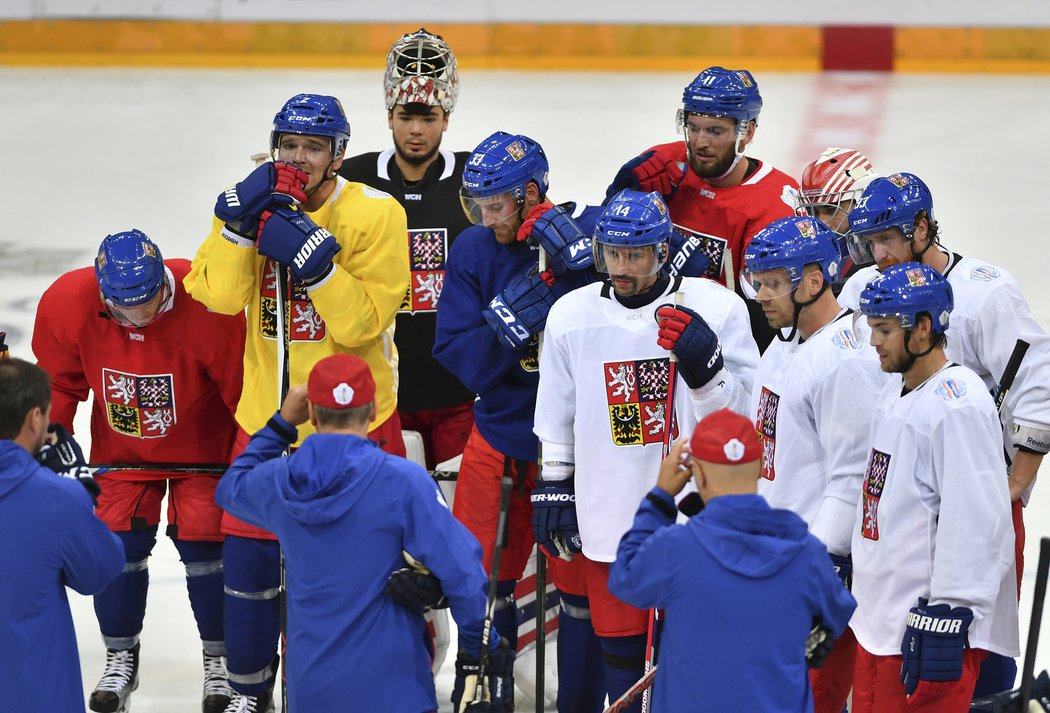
(725, 437)
(340, 381)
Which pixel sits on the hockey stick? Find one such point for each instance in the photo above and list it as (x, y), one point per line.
(1009, 373)
(643, 684)
(541, 570)
(284, 344)
(654, 614)
(505, 487)
(195, 468)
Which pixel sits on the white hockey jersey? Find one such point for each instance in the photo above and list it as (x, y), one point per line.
(603, 391)
(989, 316)
(934, 517)
(812, 404)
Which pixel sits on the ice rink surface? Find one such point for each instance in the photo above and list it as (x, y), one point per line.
(95, 151)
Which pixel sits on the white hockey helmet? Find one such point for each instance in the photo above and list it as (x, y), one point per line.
(421, 69)
(838, 175)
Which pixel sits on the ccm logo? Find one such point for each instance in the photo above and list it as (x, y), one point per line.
(509, 319)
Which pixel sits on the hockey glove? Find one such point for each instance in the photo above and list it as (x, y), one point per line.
(270, 185)
(554, 518)
(843, 568)
(933, 644)
(659, 169)
(699, 352)
(818, 645)
(65, 457)
(520, 311)
(687, 257)
(498, 696)
(415, 587)
(554, 229)
(291, 238)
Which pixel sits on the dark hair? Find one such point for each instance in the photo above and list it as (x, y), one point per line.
(343, 417)
(23, 386)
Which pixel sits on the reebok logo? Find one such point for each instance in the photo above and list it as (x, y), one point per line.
(232, 199)
(933, 624)
(311, 244)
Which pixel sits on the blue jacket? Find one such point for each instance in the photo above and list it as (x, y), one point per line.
(741, 585)
(344, 511)
(479, 268)
(50, 539)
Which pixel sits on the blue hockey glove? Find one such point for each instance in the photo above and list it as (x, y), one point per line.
(415, 587)
(818, 645)
(553, 228)
(520, 311)
(63, 455)
(499, 689)
(933, 644)
(291, 238)
(270, 185)
(554, 518)
(843, 568)
(660, 169)
(686, 257)
(699, 352)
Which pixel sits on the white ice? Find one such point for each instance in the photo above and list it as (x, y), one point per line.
(94, 151)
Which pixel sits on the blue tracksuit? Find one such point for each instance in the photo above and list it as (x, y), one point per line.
(505, 379)
(741, 584)
(50, 538)
(344, 511)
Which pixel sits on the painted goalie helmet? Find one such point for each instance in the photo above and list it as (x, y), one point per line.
(835, 180)
(421, 69)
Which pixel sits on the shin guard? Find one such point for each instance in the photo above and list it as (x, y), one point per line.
(624, 665)
(251, 612)
(121, 606)
(581, 671)
(203, 562)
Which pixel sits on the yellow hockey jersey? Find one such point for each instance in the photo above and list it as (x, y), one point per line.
(352, 310)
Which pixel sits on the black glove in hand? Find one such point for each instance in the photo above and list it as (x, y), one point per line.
(818, 645)
(416, 590)
(498, 696)
(63, 455)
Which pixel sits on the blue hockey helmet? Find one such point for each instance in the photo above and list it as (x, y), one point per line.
(312, 115)
(895, 201)
(907, 290)
(723, 92)
(502, 163)
(633, 219)
(792, 243)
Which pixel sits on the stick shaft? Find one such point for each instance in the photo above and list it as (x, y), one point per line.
(643, 684)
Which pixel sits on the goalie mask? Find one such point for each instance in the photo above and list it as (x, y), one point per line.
(131, 278)
(421, 69)
(631, 235)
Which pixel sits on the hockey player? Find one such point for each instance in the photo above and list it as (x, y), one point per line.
(422, 84)
(894, 222)
(828, 190)
(344, 512)
(600, 407)
(344, 245)
(814, 390)
(51, 540)
(493, 305)
(719, 198)
(932, 567)
(165, 374)
(717, 575)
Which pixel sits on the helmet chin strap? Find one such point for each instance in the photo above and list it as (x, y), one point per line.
(913, 356)
(799, 306)
(740, 134)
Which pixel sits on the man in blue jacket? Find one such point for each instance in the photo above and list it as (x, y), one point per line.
(748, 592)
(49, 539)
(345, 512)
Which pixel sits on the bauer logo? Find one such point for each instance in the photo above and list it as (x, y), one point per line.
(636, 396)
(874, 483)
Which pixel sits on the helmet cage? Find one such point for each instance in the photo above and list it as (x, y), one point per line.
(421, 69)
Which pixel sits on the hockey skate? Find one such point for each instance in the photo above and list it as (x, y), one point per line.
(217, 691)
(121, 677)
(262, 703)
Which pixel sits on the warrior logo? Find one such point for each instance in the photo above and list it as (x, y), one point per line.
(766, 425)
(874, 483)
(305, 324)
(636, 394)
(139, 405)
(427, 252)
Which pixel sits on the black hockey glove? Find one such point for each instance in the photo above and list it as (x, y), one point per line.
(818, 645)
(65, 457)
(498, 669)
(415, 587)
